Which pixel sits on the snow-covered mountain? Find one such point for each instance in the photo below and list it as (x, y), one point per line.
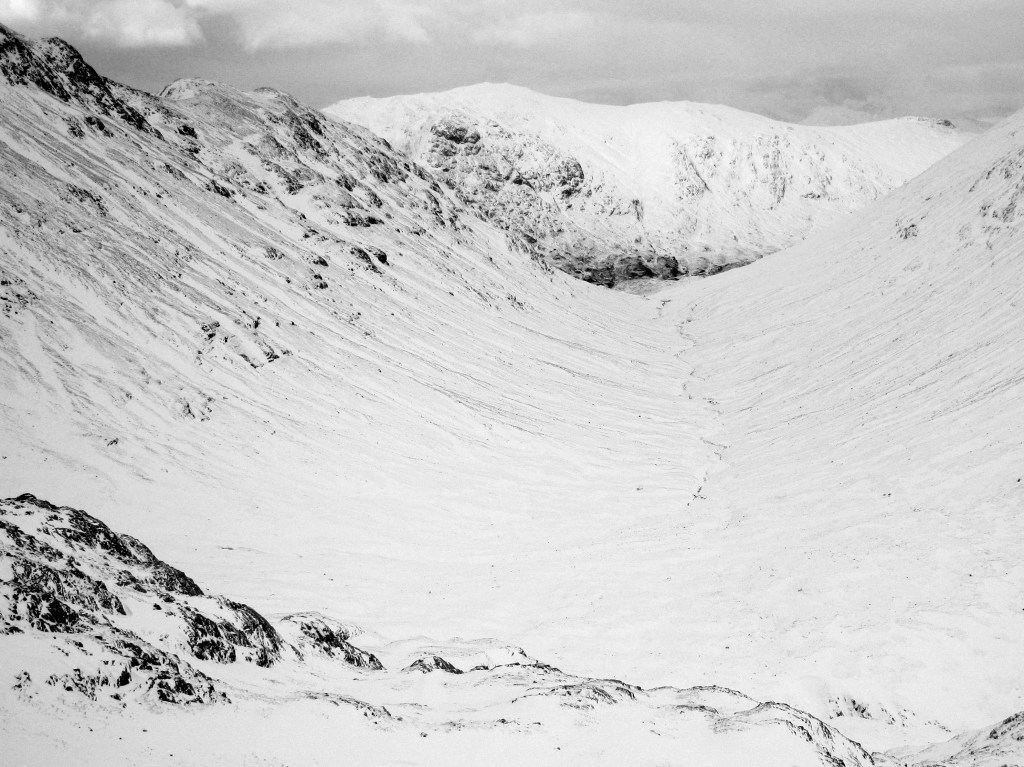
(307, 376)
(239, 329)
(613, 193)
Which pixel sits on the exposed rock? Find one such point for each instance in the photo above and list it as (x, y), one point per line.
(631, 268)
(364, 256)
(451, 131)
(210, 639)
(318, 634)
(433, 663)
(85, 532)
(69, 573)
(52, 65)
(376, 712)
(48, 550)
(15, 297)
(258, 632)
(161, 675)
(72, 575)
(666, 267)
(833, 747)
(646, 182)
(244, 632)
(590, 692)
(57, 600)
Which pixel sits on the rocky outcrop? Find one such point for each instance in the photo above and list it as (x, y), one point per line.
(54, 66)
(312, 633)
(833, 747)
(239, 632)
(62, 571)
(315, 200)
(140, 670)
(432, 663)
(63, 600)
(521, 187)
(589, 693)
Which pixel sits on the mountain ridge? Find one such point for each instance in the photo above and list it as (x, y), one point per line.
(613, 193)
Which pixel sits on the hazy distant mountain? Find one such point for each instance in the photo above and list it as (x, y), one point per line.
(611, 193)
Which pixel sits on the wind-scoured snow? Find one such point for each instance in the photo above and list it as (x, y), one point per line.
(284, 356)
(614, 194)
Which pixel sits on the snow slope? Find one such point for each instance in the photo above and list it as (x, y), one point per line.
(993, 746)
(144, 638)
(277, 351)
(870, 391)
(614, 193)
(199, 343)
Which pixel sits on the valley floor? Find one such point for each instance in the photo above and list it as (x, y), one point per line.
(629, 521)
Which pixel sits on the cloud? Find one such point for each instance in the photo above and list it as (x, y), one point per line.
(273, 24)
(831, 60)
(524, 29)
(255, 24)
(140, 23)
(122, 23)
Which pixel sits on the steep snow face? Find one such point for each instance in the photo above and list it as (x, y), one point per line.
(613, 193)
(870, 390)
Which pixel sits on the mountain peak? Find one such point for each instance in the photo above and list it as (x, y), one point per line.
(615, 193)
(189, 87)
(56, 67)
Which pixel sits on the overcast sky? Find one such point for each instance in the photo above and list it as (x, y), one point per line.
(800, 60)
